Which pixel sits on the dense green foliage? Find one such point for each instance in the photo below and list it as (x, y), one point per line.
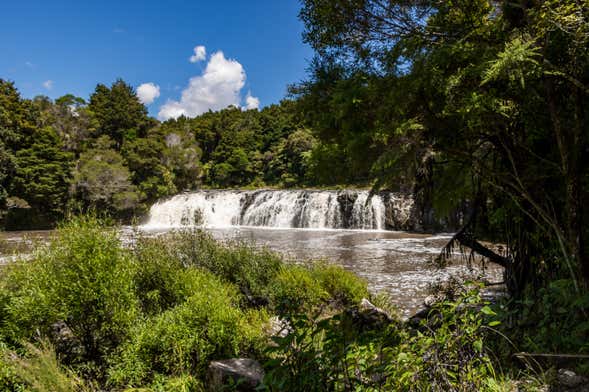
(476, 105)
(153, 314)
(87, 313)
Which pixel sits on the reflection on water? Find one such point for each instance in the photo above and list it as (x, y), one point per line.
(393, 261)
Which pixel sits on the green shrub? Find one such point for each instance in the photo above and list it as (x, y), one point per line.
(84, 278)
(343, 286)
(449, 353)
(296, 290)
(336, 353)
(304, 288)
(9, 380)
(250, 268)
(535, 322)
(159, 277)
(182, 383)
(183, 339)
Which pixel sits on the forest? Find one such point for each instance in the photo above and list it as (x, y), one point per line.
(106, 154)
(475, 106)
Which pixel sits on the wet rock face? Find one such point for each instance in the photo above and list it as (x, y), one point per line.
(401, 213)
(346, 200)
(242, 374)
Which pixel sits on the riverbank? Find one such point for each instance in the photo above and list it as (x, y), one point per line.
(91, 314)
(397, 263)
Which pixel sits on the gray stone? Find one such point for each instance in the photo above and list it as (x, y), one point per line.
(65, 341)
(570, 379)
(244, 373)
(433, 299)
(369, 314)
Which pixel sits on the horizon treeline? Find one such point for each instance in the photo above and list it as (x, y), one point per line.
(107, 154)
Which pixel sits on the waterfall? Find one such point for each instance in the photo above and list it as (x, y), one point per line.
(347, 209)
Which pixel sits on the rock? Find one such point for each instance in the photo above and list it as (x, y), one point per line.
(433, 299)
(399, 212)
(346, 200)
(369, 316)
(65, 342)
(573, 381)
(278, 327)
(244, 373)
(255, 301)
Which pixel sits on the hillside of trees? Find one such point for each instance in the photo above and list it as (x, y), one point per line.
(107, 154)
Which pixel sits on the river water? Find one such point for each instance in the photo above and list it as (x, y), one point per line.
(397, 262)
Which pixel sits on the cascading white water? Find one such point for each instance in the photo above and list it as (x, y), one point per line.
(280, 209)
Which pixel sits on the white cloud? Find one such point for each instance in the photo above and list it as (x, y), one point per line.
(200, 53)
(251, 102)
(48, 84)
(218, 87)
(148, 92)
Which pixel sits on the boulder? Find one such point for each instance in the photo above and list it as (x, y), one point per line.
(242, 373)
(345, 201)
(368, 316)
(572, 381)
(400, 212)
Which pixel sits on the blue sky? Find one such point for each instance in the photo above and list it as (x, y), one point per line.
(58, 47)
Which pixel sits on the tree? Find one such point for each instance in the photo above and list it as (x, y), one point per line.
(119, 112)
(102, 181)
(288, 160)
(484, 103)
(42, 173)
(143, 157)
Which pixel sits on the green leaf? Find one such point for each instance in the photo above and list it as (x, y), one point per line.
(478, 345)
(488, 311)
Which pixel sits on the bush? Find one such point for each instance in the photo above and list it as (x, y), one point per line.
(303, 289)
(337, 354)
(83, 278)
(183, 339)
(535, 323)
(343, 286)
(250, 268)
(159, 278)
(40, 370)
(9, 380)
(296, 290)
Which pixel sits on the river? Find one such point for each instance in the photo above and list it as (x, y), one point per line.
(341, 227)
(397, 262)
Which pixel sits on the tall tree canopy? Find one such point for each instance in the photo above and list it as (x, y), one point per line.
(470, 101)
(119, 112)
